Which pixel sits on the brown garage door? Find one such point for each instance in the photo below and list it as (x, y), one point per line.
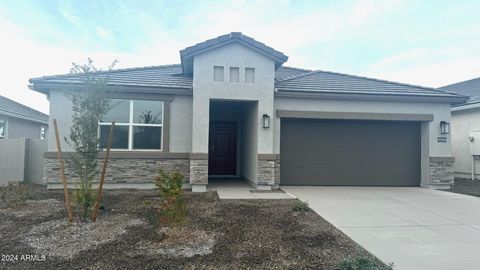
(349, 152)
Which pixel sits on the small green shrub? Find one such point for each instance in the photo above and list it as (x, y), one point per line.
(362, 263)
(173, 208)
(84, 197)
(301, 206)
(14, 194)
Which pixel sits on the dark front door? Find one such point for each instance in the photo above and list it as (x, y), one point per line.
(222, 154)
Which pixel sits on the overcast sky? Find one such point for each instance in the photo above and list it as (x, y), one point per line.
(429, 43)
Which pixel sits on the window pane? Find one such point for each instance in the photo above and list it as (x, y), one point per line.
(119, 113)
(147, 112)
(234, 74)
(218, 73)
(2, 129)
(147, 137)
(120, 137)
(249, 75)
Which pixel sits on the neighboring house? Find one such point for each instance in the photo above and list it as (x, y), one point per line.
(20, 121)
(466, 129)
(231, 109)
(23, 133)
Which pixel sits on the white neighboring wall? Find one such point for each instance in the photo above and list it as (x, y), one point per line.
(462, 125)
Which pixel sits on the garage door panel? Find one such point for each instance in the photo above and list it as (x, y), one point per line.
(344, 152)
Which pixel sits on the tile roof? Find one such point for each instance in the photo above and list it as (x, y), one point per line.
(168, 76)
(186, 55)
(469, 88)
(285, 71)
(15, 109)
(288, 79)
(325, 81)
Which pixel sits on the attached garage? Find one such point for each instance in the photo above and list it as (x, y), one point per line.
(350, 152)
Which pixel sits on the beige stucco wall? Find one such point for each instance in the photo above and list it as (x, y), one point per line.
(61, 110)
(429, 130)
(250, 147)
(180, 122)
(462, 124)
(440, 111)
(206, 89)
(20, 128)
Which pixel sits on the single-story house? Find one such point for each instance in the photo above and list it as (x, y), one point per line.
(466, 129)
(231, 109)
(20, 121)
(23, 133)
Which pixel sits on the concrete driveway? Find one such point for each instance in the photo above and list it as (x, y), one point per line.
(414, 228)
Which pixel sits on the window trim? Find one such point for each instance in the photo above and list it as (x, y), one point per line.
(131, 124)
(223, 73)
(230, 74)
(249, 68)
(5, 127)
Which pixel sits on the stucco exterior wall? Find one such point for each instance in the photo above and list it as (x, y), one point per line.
(180, 121)
(205, 89)
(462, 124)
(250, 147)
(440, 111)
(20, 128)
(21, 159)
(431, 176)
(181, 124)
(60, 109)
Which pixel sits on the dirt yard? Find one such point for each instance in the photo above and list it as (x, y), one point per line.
(227, 234)
(466, 186)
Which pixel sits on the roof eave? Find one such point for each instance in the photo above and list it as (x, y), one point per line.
(185, 57)
(46, 87)
(363, 96)
(466, 106)
(23, 117)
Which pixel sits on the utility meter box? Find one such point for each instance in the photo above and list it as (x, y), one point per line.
(474, 142)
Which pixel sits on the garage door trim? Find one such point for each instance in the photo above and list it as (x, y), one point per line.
(354, 115)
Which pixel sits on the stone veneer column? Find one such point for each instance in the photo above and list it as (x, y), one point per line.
(199, 172)
(268, 171)
(441, 172)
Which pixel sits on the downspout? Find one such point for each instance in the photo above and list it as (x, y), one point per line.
(473, 167)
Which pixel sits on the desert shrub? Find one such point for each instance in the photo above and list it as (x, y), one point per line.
(14, 194)
(301, 206)
(362, 263)
(84, 200)
(173, 208)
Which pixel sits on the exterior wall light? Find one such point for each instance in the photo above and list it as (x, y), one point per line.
(444, 127)
(266, 121)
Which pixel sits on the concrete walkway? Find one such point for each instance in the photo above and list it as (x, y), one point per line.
(414, 228)
(235, 188)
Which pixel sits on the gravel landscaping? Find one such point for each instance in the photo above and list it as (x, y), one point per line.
(466, 186)
(226, 234)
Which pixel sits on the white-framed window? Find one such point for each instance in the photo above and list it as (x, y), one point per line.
(3, 129)
(218, 73)
(138, 125)
(234, 74)
(43, 133)
(249, 75)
